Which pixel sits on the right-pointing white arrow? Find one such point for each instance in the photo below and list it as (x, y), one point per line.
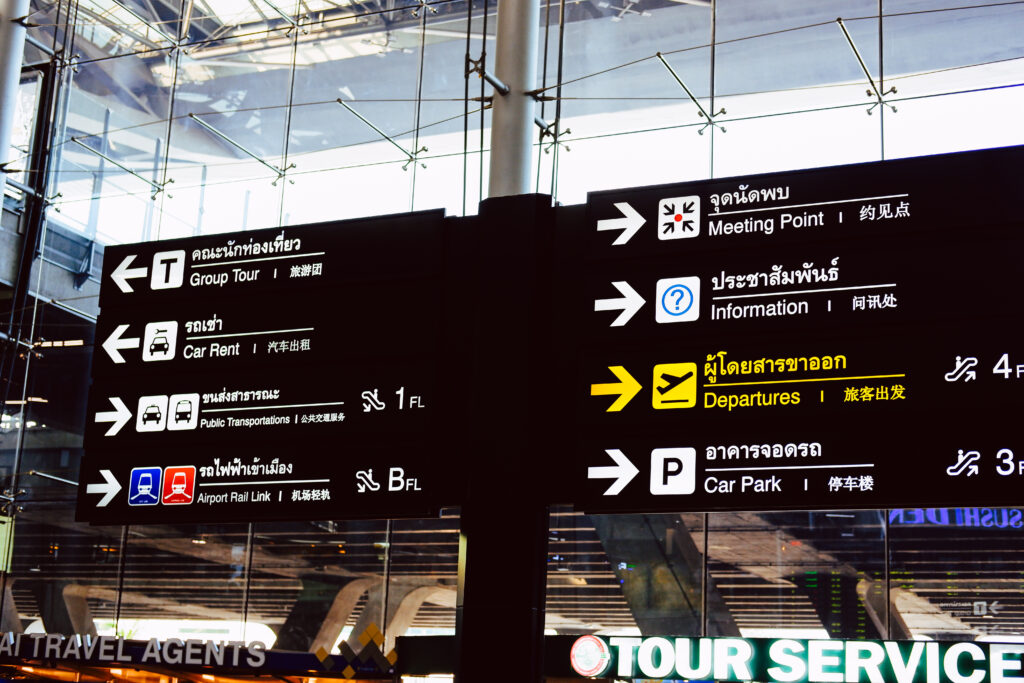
(629, 224)
(115, 343)
(622, 472)
(123, 273)
(119, 416)
(109, 488)
(630, 303)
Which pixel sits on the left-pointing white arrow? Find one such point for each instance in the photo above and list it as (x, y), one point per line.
(123, 273)
(630, 303)
(115, 343)
(622, 472)
(109, 488)
(119, 416)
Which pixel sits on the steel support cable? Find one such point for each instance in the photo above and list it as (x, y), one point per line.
(286, 143)
(419, 103)
(558, 99)
(483, 107)
(543, 83)
(465, 106)
(711, 138)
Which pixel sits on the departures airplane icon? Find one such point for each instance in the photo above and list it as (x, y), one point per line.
(673, 381)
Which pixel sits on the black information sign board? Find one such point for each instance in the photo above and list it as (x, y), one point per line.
(834, 338)
(273, 374)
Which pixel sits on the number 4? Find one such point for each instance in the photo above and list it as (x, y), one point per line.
(1002, 366)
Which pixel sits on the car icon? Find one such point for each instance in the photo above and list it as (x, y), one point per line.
(151, 414)
(159, 343)
(183, 411)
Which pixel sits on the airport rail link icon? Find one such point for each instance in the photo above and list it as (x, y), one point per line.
(179, 485)
(169, 486)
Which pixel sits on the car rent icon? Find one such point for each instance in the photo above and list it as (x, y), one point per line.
(159, 340)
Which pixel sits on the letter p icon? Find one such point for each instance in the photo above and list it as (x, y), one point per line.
(673, 471)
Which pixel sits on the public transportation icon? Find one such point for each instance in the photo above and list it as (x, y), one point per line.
(159, 343)
(145, 487)
(151, 414)
(183, 411)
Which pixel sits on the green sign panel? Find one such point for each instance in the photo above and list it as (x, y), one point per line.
(796, 661)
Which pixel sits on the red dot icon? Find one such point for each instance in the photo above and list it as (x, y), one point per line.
(678, 217)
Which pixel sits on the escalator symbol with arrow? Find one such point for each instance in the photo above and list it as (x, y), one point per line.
(965, 462)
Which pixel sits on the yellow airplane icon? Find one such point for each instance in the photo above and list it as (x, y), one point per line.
(675, 386)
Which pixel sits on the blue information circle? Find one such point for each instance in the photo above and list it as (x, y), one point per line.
(677, 300)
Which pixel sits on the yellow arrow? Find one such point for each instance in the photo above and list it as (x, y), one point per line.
(626, 387)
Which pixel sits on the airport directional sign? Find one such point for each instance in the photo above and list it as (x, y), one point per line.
(815, 339)
(274, 374)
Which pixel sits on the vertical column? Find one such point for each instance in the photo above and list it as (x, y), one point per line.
(513, 113)
(12, 43)
(504, 522)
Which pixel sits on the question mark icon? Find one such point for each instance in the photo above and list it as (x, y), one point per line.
(678, 299)
(672, 301)
(679, 296)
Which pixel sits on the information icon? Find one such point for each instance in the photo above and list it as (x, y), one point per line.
(678, 300)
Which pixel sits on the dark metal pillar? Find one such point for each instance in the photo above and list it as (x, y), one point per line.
(503, 542)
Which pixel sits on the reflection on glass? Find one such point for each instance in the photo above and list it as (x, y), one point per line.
(166, 567)
(422, 578)
(311, 581)
(956, 572)
(802, 574)
(625, 574)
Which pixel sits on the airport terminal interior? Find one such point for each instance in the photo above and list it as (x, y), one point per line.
(144, 120)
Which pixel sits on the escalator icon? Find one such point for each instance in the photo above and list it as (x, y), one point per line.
(964, 370)
(965, 462)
